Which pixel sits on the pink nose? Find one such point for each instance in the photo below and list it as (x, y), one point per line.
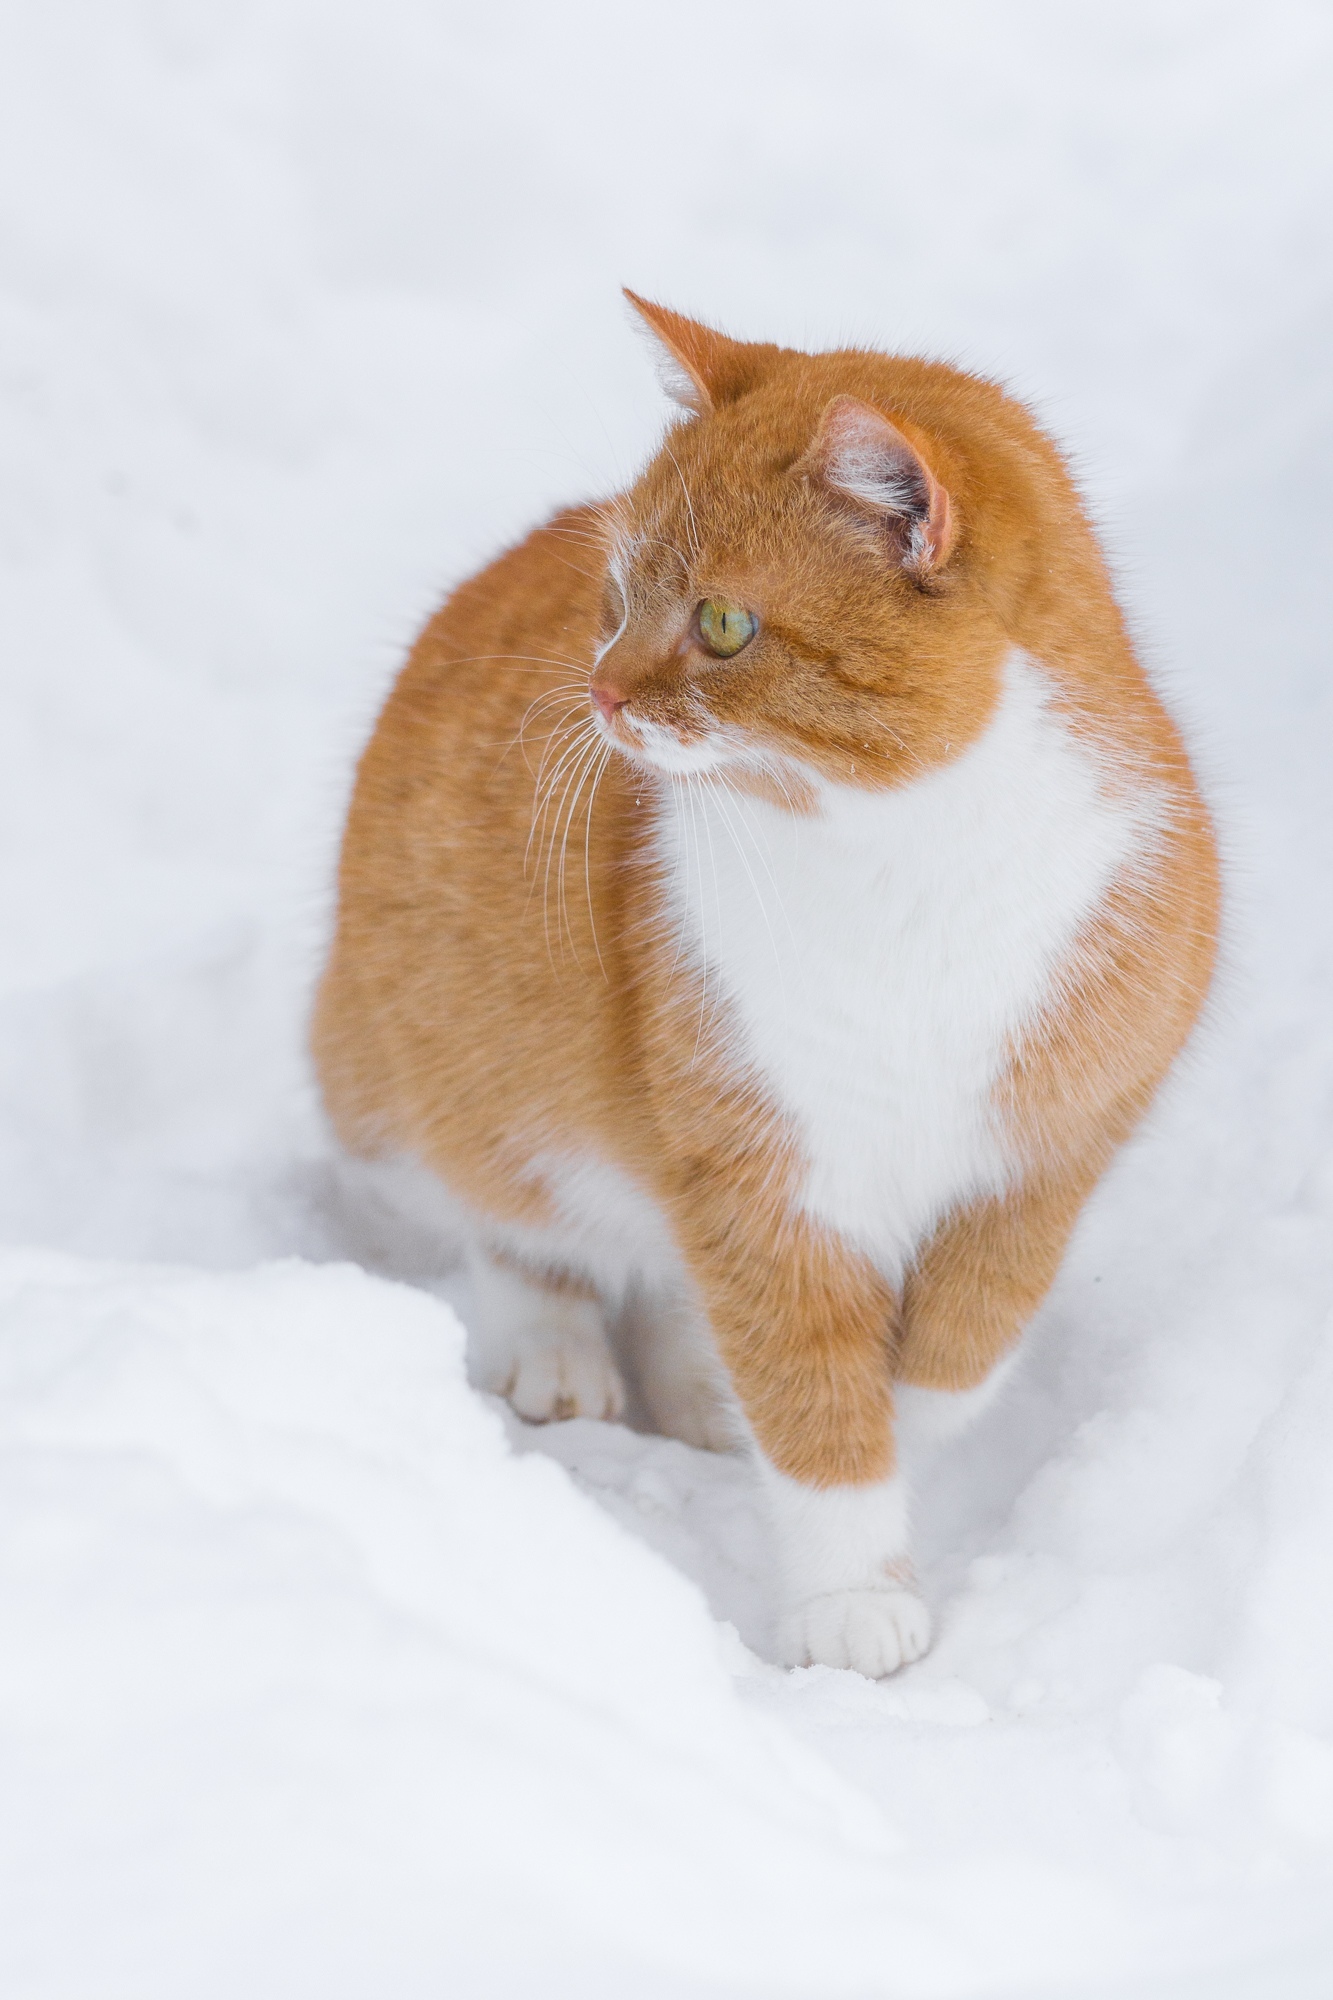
(608, 701)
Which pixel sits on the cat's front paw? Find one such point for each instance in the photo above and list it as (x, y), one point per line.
(874, 1632)
(561, 1378)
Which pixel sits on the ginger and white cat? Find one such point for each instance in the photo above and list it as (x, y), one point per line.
(767, 902)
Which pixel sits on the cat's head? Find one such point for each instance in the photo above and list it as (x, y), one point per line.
(803, 585)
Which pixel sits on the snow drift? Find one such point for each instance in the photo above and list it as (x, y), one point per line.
(320, 1675)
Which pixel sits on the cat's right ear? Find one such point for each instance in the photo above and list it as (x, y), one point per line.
(700, 368)
(866, 458)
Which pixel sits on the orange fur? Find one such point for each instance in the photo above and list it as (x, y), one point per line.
(503, 979)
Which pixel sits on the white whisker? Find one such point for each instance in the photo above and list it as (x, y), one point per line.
(716, 791)
(598, 774)
(717, 903)
(544, 793)
(689, 504)
(573, 785)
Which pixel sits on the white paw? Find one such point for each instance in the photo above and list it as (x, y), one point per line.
(697, 1414)
(544, 1349)
(874, 1632)
(563, 1378)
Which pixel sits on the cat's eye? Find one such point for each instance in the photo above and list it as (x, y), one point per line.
(725, 627)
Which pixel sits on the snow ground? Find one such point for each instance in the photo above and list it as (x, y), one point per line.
(312, 1683)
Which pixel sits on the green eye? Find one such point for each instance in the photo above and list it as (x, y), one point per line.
(725, 627)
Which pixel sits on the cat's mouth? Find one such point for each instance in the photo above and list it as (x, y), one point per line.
(711, 751)
(662, 748)
(700, 747)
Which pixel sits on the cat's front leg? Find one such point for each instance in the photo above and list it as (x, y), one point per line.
(803, 1325)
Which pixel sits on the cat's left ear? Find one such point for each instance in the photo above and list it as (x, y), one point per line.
(861, 454)
(701, 368)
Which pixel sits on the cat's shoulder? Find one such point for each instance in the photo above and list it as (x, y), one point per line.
(552, 578)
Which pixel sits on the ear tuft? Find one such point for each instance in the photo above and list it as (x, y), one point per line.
(861, 454)
(700, 368)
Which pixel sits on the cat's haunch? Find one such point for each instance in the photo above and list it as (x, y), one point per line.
(768, 900)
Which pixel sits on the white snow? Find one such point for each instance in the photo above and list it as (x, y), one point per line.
(320, 1675)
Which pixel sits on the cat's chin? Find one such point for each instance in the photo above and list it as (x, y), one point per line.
(744, 768)
(657, 748)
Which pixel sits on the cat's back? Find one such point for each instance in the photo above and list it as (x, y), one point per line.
(470, 895)
(509, 647)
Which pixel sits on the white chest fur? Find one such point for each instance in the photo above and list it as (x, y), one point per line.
(877, 961)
